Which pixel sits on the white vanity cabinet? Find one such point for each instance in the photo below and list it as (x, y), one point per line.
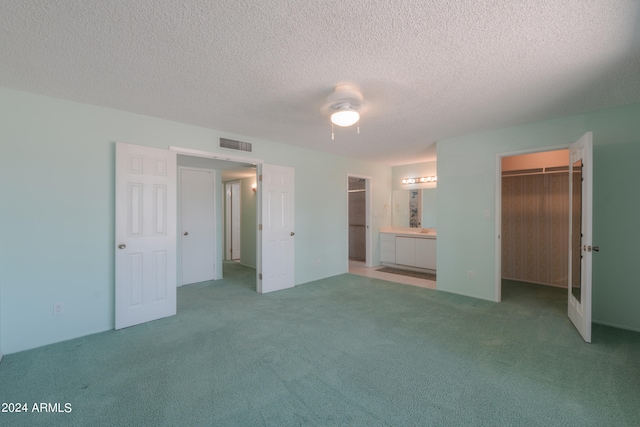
(410, 249)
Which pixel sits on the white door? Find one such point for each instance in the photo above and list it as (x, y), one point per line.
(235, 220)
(277, 222)
(145, 234)
(580, 227)
(197, 228)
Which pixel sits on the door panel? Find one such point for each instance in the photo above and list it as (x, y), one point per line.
(426, 253)
(145, 252)
(197, 229)
(580, 232)
(277, 219)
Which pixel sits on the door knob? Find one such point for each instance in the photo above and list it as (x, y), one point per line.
(122, 246)
(596, 249)
(186, 233)
(292, 233)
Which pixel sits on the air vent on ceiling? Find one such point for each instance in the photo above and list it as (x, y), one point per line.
(235, 145)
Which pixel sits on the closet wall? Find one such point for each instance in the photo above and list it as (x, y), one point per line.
(535, 230)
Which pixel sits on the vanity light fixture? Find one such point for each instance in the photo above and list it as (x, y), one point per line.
(421, 180)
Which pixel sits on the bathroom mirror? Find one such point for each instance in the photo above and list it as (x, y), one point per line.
(414, 208)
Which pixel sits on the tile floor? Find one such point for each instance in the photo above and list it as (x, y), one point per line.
(358, 267)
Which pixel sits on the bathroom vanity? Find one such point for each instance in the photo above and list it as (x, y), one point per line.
(408, 247)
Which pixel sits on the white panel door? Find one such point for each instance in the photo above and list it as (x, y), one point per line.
(580, 228)
(145, 234)
(277, 236)
(197, 225)
(235, 220)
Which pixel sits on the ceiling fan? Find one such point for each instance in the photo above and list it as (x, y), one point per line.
(344, 105)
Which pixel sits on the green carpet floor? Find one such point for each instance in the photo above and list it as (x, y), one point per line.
(343, 351)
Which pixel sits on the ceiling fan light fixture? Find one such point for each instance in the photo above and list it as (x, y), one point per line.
(345, 118)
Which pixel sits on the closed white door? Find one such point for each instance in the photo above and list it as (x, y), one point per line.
(235, 220)
(145, 253)
(277, 221)
(197, 228)
(580, 232)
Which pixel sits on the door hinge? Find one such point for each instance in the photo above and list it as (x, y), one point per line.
(259, 177)
(260, 227)
(260, 276)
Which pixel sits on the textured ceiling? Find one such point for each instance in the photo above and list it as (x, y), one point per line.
(430, 69)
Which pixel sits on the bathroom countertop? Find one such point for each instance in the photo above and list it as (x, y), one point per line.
(412, 232)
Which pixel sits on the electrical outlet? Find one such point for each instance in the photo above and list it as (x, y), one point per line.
(57, 308)
(470, 274)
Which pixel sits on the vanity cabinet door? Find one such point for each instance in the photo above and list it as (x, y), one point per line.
(406, 251)
(426, 253)
(387, 248)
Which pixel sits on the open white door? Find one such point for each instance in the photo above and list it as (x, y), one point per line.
(580, 227)
(277, 223)
(145, 234)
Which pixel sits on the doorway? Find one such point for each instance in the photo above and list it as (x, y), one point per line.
(243, 175)
(535, 218)
(233, 220)
(147, 257)
(579, 244)
(528, 163)
(359, 232)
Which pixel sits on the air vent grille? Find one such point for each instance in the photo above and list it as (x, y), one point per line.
(235, 145)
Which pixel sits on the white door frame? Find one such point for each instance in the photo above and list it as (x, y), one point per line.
(367, 202)
(237, 159)
(498, 208)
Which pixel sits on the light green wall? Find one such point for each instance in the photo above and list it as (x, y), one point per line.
(429, 207)
(616, 209)
(466, 188)
(57, 229)
(248, 227)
